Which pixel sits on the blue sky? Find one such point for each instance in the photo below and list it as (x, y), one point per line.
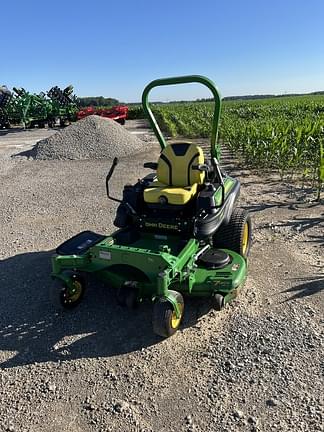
(114, 48)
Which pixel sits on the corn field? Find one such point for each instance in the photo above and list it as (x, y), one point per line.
(282, 134)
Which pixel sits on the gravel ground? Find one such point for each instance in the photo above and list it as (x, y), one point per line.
(255, 366)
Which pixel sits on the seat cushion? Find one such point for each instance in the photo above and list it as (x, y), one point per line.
(174, 195)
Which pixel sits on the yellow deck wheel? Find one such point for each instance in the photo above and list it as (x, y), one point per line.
(175, 322)
(72, 293)
(165, 321)
(76, 291)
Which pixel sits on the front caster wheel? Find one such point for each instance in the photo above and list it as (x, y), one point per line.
(165, 321)
(127, 295)
(218, 302)
(72, 292)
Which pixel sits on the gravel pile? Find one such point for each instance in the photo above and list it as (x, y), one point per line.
(91, 138)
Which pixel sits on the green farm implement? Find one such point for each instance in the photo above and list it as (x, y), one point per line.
(5, 97)
(27, 109)
(63, 106)
(23, 108)
(179, 232)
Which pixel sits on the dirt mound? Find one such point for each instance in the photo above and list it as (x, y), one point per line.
(91, 138)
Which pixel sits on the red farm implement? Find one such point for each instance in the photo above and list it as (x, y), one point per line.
(118, 113)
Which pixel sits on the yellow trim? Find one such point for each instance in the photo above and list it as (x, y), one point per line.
(76, 293)
(245, 239)
(175, 322)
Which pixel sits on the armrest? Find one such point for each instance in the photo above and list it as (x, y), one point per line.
(201, 167)
(151, 165)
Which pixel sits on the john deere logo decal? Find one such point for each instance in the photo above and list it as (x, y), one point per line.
(161, 225)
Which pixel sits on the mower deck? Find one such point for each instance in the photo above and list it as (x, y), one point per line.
(155, 263)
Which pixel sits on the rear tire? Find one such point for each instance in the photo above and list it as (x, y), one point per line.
(236, 235)
(164, 320)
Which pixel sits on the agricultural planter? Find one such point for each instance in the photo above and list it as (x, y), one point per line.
(180, 233)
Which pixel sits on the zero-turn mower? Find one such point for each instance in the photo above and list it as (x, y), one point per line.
(179, 232)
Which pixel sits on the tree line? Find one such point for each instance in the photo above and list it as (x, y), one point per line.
(97, 101)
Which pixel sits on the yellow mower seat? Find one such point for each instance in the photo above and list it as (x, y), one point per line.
(174, 195)
(177, 182)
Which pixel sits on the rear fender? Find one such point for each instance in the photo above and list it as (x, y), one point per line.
(230, 202)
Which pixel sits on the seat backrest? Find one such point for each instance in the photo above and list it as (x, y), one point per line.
(175, 165)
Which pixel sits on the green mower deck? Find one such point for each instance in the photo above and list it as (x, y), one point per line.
(157, 265)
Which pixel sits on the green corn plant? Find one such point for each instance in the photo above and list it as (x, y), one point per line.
(281, 134)
(321, 166)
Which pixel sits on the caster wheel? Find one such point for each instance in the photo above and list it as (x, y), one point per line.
(127, 295)
(218, 302)
(72, 294)
(165, 322)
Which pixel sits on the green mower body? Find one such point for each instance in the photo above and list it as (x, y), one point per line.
(153, 264)
(163, 250)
